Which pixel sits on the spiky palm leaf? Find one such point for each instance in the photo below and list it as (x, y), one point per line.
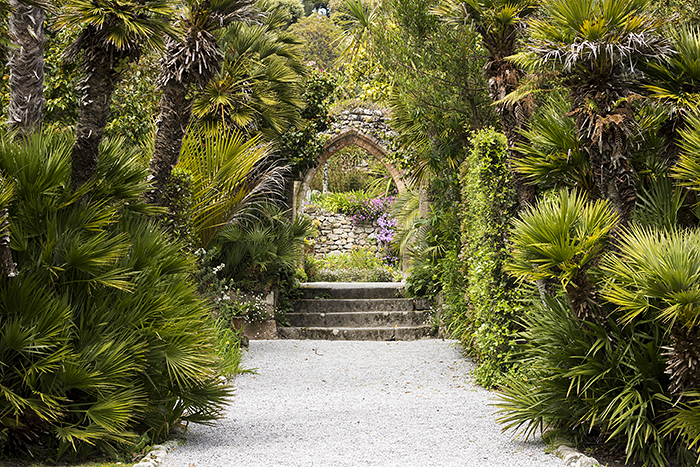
(406, 210)
(676, 79)
(552, 156)
(656, 274)
(560, 239)
(228, 175)
(356, 31)
(659, 205)
(687, 170)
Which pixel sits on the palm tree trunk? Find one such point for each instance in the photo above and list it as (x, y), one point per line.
(608, 154)
(683, 362)
(26, 28)
(175, 112)
(96, 90)
(503, 78)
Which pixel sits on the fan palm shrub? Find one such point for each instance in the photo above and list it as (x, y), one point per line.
(255, 251)
(104, 336)
(597, 383)
(259, 85)
(656, 275)
(559, 240)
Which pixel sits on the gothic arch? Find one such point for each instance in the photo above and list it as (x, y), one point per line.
(338, 142)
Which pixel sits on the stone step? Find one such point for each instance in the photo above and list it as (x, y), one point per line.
(349, 305)
(360, 319)
(396, 333)
(359, 290)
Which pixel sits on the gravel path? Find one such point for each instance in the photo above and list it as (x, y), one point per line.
(338, 403)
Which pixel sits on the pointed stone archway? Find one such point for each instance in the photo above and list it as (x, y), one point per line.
(349, 137)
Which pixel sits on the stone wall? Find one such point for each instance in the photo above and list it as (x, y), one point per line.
(336, 233)
(370, 122)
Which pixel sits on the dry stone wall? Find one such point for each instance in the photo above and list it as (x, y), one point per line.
(337, 234)
(370, 122)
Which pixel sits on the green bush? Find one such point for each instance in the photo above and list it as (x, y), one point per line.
(360, 265)
(256, 251)
(593, 381)
(104, 336)
(483, 314)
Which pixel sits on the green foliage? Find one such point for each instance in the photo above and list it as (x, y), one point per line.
(255, 251)
(291, 10)
(135, 102)
(320, 40)
(104, 335)
(552, 156)
(343, 202)
(655, 273)
(302, 145)
(485, 316)
(438, 90)
(178, 200)
(229, 175)
(259, 86)
(592, 382)
(560, 237)
(360, 265)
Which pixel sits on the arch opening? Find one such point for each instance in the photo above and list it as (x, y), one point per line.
(348, 138)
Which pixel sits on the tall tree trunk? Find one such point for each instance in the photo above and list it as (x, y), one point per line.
(175, 112)
(95, 90)
(604, 139)
(503, 78)
(26, 28)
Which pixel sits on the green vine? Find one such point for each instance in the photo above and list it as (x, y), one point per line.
(486, 325)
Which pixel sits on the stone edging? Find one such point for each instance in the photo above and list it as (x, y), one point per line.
(573, 458)
(156, 455)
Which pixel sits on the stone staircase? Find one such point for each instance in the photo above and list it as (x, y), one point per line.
(358, 311)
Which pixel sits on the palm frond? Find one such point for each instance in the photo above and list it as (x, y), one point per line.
(226, 176)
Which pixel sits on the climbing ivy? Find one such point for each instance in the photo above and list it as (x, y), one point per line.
(301, 146)
(487, 319)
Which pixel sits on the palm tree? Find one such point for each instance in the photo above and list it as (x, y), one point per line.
(192, 60)
(674, 82)
(26, 28)
(656, 273)
(113, 35)
(596, 45)
(559, 240)
(499, 23)
(258, 88)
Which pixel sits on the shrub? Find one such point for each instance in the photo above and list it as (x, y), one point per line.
(104, 335)
(483, 314)
(592, 381)
(361, 265)
(257, 251)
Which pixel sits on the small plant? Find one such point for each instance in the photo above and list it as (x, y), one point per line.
(360, 265)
